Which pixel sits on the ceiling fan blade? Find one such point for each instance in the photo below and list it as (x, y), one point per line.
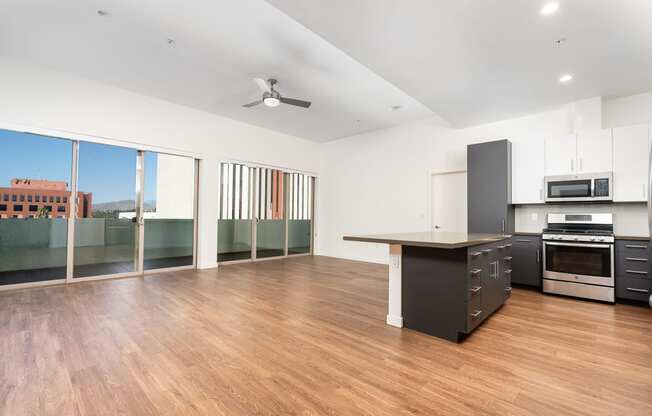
(298, 103)
(253, 104)
(262, 84)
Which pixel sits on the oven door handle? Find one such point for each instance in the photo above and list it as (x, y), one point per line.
(578, 245)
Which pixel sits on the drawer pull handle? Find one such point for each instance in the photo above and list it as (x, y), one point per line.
(500, 247)
(508, 271)
(508, 258)
(633, 289)
(475, 254)
(487, 250)
(508, 289)
(635, 259)
(476, 314)
(475, 271)
(635, 246)
(475, 289)
(524, 241)
(635, 272)
(508, 245)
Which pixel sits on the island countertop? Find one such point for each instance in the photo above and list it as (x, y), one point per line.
(436, 239)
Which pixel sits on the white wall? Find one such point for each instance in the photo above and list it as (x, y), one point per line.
(626, 111)
(37, 97)
(378, 182)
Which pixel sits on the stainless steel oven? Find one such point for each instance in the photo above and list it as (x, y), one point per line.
(579, 262)
(578, 188)
(578, 256)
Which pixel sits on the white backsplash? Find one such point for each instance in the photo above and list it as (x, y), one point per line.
(629, 219)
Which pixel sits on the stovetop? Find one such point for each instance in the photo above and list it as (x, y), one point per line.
(578, 231)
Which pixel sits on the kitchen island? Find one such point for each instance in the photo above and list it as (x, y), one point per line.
(445, 284)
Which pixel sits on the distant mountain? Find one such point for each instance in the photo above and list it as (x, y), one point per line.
(123, 206)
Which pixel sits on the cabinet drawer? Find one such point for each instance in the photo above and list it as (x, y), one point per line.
(633, 259)
(474, 313)
(633, 248)
(633, 267)
(633, 288)
(526, 240)
(474, 286)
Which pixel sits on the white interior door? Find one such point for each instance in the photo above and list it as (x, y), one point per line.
(449, 202)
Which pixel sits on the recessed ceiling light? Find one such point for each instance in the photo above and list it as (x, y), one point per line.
(102, 12)
(566, 78)
(550, 8)
(559, 42)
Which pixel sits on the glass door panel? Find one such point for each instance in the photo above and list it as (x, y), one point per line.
(169, 211)
(299, 213)
(270, 213)
(106, 234)
(35, 178)
(235, 218)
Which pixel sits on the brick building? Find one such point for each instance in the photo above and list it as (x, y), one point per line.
(25, 198)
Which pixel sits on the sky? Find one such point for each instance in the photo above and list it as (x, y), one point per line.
(109, 172)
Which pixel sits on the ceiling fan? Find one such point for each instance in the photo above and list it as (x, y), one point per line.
(272, 98)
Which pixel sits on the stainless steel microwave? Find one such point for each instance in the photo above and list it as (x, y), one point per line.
(579, 188)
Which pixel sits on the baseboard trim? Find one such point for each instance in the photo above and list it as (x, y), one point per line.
(207, 266)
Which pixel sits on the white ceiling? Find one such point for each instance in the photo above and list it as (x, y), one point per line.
(474, 61)
(468, 61)
(219, 47)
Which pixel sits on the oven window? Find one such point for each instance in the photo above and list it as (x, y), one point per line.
(569, 189)
(588, 261)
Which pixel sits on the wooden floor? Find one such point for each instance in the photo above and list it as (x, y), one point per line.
(307, 336)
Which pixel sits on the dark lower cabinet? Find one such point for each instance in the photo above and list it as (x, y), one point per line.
(527, 259)
(633, 270)
(447, 293)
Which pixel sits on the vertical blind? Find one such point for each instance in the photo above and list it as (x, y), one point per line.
(300, 196)
(270, 187)
(234, 192)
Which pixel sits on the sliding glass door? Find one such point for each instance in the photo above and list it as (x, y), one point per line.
(300, 196)
(235, 219)
(168, 211)
(106, 236)
(74, 209)
(267, 206)
(35, 178)
(270, 213)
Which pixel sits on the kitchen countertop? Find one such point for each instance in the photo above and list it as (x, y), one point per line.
(439, 239)
(636, 238)
(526, 233)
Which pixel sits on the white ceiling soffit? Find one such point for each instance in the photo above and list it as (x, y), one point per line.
(219, 46)
(474, 61)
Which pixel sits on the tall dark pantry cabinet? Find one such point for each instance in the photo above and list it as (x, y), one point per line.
(489, 187)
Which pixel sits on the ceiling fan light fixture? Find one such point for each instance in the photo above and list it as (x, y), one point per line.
(271, 101)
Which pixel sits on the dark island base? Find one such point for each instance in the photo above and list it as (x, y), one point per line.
(447, 293)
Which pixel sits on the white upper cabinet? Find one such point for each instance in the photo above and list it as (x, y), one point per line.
(630, 163)
(594, 151)
(560, 155)
(528, 169)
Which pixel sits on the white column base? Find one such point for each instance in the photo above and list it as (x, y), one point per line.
(394, 304)
(396, 321)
